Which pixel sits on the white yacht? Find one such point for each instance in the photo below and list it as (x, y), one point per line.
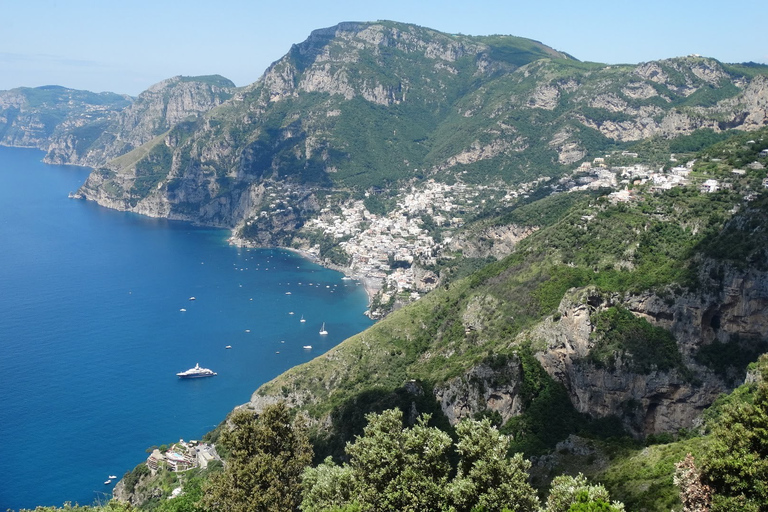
(195, 373)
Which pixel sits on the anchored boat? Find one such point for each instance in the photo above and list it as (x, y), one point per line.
(196, 372)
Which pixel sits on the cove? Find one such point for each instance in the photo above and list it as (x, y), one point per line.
(92, 333)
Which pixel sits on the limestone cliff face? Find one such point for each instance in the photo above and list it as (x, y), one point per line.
(661, 401)
(496, 241)
(482, 387)
(647, 403)
(155, 111)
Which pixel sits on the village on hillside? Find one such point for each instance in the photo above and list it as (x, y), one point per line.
(391, 252)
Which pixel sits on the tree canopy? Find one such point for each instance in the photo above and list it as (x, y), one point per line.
(268, 453)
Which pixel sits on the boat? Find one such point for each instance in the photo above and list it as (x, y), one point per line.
(302, 319)
(307, 347)
(228, 346)
(108, 482)
(323, 331)
(196, 372)
(191, 298)
(112, 477)
(182, 310)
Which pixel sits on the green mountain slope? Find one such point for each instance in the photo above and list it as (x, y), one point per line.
(631, 315)
(154, 112)
(368, 106)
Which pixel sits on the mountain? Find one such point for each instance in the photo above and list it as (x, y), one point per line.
(565, 248)
(32, 116)
(610, 315)
(154, 112)
(85, 128)
(602, 342)
(371, 106)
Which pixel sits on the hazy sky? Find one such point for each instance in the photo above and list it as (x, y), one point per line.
(126, 46)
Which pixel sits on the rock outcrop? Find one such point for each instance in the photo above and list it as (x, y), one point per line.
(154, 112)
(482, 388)
(659, 401)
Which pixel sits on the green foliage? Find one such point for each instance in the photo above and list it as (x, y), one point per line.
(696, 141)
(736, 463)
(130, 479)
(743, 241)
(326, 487)
(730, 360)
(407, 469)
(378, 205)
(585, 504)
(548, 415)
(709, 95)
(620, 334)
(215, 80)
(747, 69)
(268, 454)
(111, 506)
(486, 477)
(189, 500)
(545, 211)
(150, 171)
(348, 420)
(399, 469)
(567, 491)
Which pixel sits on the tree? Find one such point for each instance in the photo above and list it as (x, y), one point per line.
(392, 468)
(570, 493)
(399, 469)
(486, 477)
(736, 463)
(326, 487)
(268, 453)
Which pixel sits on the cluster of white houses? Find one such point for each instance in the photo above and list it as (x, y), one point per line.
(182, 456)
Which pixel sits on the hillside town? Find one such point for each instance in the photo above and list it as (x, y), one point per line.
(392, 253)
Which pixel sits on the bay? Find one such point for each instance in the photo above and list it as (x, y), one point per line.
(92, 332)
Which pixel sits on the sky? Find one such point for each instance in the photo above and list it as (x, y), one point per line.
(126, 46)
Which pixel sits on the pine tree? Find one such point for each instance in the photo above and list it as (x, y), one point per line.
(268, 453)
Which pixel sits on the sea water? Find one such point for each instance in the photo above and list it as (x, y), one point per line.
(92, 331)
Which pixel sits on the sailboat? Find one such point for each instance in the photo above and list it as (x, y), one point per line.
(302, 319)
(323, 331)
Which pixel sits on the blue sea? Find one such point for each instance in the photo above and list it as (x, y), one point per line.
(92, 331)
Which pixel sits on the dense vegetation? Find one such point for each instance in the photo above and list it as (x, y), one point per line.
(392, 466)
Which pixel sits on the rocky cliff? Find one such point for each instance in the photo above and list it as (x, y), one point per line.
(362, 106)
(155, 111)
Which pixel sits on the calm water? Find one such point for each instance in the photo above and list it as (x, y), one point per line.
(91, 332)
